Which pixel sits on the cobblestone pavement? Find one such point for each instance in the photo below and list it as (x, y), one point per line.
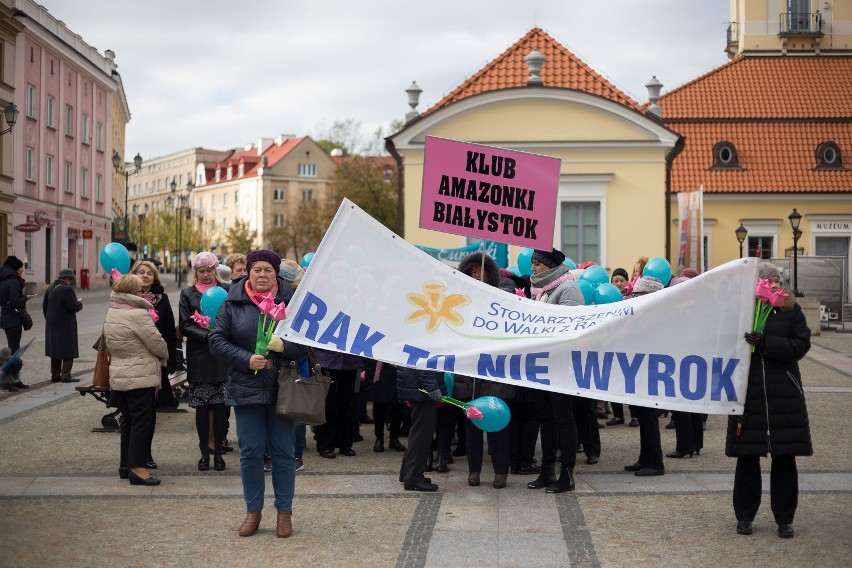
(63, 504)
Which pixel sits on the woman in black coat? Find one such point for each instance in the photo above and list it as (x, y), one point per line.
(775, 420)
(205, 374)
(12, 298)
(386, 405)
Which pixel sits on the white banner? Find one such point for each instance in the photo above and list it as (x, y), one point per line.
(370, 293)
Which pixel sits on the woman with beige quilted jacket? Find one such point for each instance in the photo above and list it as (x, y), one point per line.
(138, 351)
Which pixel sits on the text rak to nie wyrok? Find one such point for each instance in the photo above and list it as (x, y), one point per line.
(486, 192)
(690, 376)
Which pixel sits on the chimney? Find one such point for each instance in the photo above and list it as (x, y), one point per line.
(535, 61)
(413, 92)
(654, 87)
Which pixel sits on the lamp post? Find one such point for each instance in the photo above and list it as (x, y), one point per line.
(741, 233)
(179, 201)
(119, 166)
(795, 218)
(10, 113)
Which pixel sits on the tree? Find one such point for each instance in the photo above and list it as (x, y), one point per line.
(302, 230)
(371, 184)
(239, 238)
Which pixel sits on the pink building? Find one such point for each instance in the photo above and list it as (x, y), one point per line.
(63, 148)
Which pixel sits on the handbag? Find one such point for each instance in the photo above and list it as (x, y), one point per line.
(302, 399)
(26, 318)
(100, 379)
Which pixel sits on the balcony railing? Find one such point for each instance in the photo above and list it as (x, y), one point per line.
(800, 23)
(732, 34)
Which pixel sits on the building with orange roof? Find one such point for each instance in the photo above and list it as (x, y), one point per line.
(614, 155)
(771, 131)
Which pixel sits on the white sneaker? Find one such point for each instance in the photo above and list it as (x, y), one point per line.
(300, 465)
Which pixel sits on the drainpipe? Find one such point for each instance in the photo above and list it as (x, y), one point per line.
(673, 153)
(400, 205)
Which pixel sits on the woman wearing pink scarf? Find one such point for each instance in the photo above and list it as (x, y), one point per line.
(206, 376)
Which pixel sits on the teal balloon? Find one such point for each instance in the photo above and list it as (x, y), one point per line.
(450, 381)
(569, 263)
(659, 268)
(525, 261)
(114, 255)
(595, 275)
(211, 301)
(306, 260)
(514, 270)
(495, 413)
(587, 289)
(607, 294)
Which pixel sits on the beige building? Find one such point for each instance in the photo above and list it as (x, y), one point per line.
(260, 184)
(614, 155)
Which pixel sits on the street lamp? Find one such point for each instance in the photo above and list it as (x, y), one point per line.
(795, 218)
(10, 113)
(741, 233)
(179, 202)
(118, 165)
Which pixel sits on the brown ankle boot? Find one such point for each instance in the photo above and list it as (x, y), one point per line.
(499, 480)
(284, 527)
(473, 478)
(249, 526)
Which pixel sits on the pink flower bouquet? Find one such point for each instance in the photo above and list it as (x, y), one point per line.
(765, 301)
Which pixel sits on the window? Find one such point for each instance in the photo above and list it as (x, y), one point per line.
(28, 252)
(236, 197)
(725, 157)
(84, 183)
(307, 194)
(31, 101)
(307, 170)
(581, 230)
(224, 224)
(218, 174)
(230, 172)
(69, 178)
(99, 188)
(761, 247)
(99, 134)
(212, 202)
(279, 194)
(50, 171)
(29, 166)
(828, 156)
(69, 120)
(98, 245)
(278, 220)
(241, 171)
(87, 135)
(51, 111)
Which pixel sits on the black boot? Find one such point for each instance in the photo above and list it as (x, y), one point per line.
(395, 445)
(564, 483)
(546, 478)
(379, 446)
(442, 464)
(430, 461)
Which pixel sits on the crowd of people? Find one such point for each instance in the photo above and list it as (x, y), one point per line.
(225, 374)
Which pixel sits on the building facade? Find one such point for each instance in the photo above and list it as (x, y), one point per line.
(64, 174)
(10, 27)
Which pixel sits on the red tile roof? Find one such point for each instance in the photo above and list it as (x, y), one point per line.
(250, 160)
(561, 69)
(775, 111)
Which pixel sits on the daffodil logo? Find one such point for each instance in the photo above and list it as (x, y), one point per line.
(435, 306)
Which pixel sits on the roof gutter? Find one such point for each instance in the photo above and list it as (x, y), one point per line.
(673, 153)
(400, 186)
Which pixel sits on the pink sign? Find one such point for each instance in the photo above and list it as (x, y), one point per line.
(489, 193)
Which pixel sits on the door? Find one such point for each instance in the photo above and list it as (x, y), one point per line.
(48, 255)
(835, 246)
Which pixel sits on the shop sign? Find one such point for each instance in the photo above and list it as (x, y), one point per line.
(27, 228)
(87, 233)
(41, 217)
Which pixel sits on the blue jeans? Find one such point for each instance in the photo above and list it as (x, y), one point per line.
(258, 428)
(301, 432)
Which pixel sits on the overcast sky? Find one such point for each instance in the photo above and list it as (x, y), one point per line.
(219, 74)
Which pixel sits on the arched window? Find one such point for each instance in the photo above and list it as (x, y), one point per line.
(828, 156)
(725, 157)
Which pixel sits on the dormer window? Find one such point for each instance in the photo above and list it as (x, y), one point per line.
(725, 157)
(828, 156)
(241, 170)
(230, 172)
(218, 174)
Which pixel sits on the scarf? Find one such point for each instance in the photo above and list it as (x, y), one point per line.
(121, 306)
(257, 297)
(549, 280)
(204, 287)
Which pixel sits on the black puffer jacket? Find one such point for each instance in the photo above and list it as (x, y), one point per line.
(410, 381)
(467, 388)
(200, 366)
(232, 341)
(775, 392)
(11, 296)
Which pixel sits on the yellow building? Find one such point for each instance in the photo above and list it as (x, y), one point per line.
(610, 206)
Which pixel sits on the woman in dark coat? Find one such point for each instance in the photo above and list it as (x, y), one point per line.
(12, 298)
(60, 307)
(206, 376)
(252, 391)
(775, 420)
(386, 405)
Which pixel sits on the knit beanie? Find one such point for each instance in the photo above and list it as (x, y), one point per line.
(264, 255)
(13, 262)
(689, 272)
(204, 260)
(768, 270)
(647, 285)
(550, 259)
